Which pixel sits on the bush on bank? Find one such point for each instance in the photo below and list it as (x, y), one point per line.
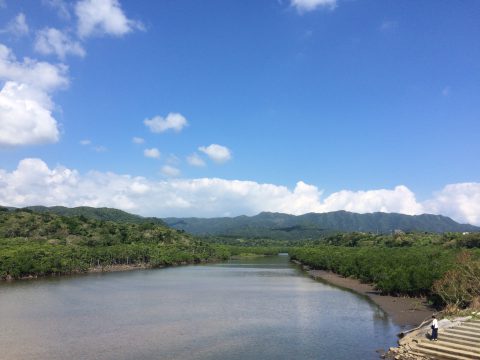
(411, 271)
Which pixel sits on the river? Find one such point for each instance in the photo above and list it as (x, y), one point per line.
(257, 308)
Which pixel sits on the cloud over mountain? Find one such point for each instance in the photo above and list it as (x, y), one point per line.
(34, 183)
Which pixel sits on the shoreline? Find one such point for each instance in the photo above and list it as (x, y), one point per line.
(404, 311)
(101, 269)
(122, 267)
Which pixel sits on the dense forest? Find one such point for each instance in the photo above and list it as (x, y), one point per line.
(40, 243)
(105, 214)
(443, 267)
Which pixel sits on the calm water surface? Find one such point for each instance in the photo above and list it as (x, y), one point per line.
(262, 308)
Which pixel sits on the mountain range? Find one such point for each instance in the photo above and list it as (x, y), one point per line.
(277, 225)
(284, 226)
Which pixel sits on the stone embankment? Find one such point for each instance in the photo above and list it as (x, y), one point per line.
(458, 339)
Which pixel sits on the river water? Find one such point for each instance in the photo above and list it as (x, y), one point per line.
(261, 308)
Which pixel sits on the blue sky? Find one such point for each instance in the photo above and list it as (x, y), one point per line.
(292, 106)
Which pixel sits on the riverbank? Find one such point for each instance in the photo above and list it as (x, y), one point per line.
(404, 311)
(108, 269)
(118, 267)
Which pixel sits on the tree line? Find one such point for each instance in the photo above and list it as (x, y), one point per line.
(40, 244)
(444, 275)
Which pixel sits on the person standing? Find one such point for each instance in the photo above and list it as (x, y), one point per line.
(434, 327)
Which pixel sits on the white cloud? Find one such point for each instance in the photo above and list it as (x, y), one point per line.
(400, 200)
(17, 26)
(25, 104)
(41, 75)
(85, 142)
(195, 160)
(34, 183)
(53, 41)
(170, 171)
(217, 153)
(26, 116)
(138, 140)
(173, 121)
(152, 153)
(60, 6)
(103, 17)
(310, 5)
(459, 201)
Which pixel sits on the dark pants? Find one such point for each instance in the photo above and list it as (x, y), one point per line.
(434, 334)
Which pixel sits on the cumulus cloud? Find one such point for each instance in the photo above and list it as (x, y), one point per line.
(138, 140)
(17, 26)
(85, 142)
(34, 183)
(195, 160)
(310, 5)
(53, 41)
(170, 171)
(41, 75)
(26, 116)
(25, 104)
(103, 17)
(152, 153)
(459, 201)
(400, 200)
(173, 121)
(217, 153)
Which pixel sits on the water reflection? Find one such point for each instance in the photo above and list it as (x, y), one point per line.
(261, 308)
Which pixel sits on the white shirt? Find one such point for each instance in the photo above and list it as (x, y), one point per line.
(435, 323)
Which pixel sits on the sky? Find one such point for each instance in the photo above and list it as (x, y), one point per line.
(223, 108)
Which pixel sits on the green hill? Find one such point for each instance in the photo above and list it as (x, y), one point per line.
(105, 214)
(36, 243)
(288, 227)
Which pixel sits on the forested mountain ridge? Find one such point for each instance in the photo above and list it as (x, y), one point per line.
(276, 225)
(104, 214)
(41, 226)
(284, 226)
